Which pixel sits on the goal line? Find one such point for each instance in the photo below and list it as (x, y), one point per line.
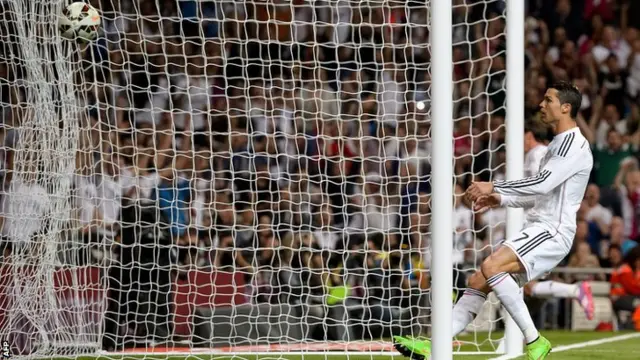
(366, 348)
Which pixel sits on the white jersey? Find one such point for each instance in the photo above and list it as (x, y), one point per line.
(554, 195)
(533, 160)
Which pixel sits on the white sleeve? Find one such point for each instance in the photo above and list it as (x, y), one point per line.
(554, 173)
(525, 202)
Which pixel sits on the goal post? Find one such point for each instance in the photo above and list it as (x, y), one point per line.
(515, 86)
(442, 176)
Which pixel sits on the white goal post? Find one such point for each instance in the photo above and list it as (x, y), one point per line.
(254, 176)
(443, 176)
(442, 109)
(515, 135)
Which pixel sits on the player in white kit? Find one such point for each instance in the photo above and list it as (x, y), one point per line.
(535, 151)
(553, 196)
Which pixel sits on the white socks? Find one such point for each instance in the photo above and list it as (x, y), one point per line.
(466, 309)
(554, 289)
(510, 296)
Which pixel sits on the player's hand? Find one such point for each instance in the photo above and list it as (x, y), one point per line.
(478, 189)
(487, 202)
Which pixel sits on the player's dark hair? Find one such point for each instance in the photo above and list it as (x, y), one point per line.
(569, 94)
(539, 130)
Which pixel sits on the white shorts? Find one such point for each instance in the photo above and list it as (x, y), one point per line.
(538, 250)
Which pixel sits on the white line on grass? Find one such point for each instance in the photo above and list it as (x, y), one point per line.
(579, 345)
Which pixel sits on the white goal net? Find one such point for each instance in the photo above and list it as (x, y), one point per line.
(243, 176)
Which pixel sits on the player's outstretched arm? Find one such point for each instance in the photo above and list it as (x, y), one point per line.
(554, 173)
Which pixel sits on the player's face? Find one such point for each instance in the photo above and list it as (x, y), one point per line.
(550, 107)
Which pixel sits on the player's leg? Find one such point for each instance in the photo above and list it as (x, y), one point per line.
(534, 253)
(495, 275)
(470, 303)
(550, 288)
(464, 312)
(497, 269)
(580, 291)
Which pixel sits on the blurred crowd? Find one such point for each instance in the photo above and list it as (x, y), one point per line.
(290, 135)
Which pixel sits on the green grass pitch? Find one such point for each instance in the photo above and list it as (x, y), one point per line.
(625, 349)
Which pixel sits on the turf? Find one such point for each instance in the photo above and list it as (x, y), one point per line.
(618, 350)
(488, 342)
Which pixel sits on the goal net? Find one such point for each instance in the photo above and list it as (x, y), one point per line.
(238, 176)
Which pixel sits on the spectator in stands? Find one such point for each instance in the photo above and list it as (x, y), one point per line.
(376, 214)
(633, 81)
(316, 112)
(326, 234)
(259, 189)
(613, 259)
(87, 212)
(627, 184)
(597, 216)
(419, 222)
(584, 258)
(625, 288)
(111, 186)
(192, 95)
(244, 226)
(562, 13)
(605, 121)
(303, 196)
(391, 89)
(617, 237)
(383, 306)
(595, 211)
(613, 84)
(173, 192)
(608, 160)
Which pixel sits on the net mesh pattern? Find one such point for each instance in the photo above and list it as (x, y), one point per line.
(237, 173)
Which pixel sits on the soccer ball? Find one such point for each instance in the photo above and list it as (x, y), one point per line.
(79, 21)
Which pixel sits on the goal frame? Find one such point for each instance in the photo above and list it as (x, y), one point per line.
(514, 138)
(442, 130)
(442, 134)
(442, 166)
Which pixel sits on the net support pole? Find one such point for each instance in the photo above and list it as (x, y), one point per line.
(514, 137)
(442, 179)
